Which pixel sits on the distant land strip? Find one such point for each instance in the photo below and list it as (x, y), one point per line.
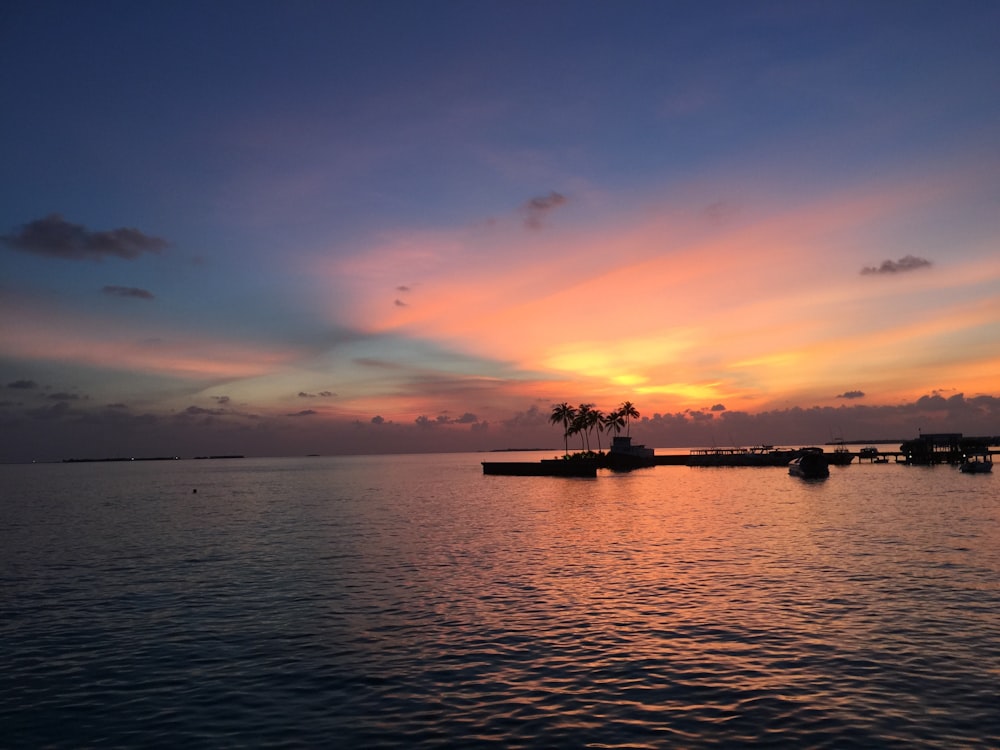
(139, 458)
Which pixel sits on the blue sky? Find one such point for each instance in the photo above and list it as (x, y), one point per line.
(439, 209)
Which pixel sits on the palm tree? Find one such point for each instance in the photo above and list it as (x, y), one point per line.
(629, 412)
(582, 423)
(595, 421)
(614, 421)
(565, 414)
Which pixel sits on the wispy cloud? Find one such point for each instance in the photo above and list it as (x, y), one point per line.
(127, 291)
(906, 263)
(537, 209)
(196, 411)
(23, 384)
(851, 394)
(55, 237)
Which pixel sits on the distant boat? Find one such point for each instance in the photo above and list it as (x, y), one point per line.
(810, 466)
(841, 456)
(980, 463)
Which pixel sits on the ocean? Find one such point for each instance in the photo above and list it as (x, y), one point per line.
(411, 602)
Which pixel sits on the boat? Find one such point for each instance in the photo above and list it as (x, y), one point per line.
(810, 465)
(979, 463)
(841, 455)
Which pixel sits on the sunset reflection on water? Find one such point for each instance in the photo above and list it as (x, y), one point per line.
(412, 601)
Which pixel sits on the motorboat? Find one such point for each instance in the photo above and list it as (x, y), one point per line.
(810, 466)
(980, 463)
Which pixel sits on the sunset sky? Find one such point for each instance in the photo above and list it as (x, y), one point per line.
(320, 227)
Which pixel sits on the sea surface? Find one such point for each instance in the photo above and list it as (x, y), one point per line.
(411, 602)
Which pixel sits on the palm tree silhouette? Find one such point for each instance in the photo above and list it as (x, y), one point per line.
(595, 421)
(583, 425)
(629, 412)
(565, 414)
(614, 421)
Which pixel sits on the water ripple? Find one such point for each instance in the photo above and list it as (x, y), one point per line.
(412, 602)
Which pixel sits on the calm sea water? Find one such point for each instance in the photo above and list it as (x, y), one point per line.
(410, 601)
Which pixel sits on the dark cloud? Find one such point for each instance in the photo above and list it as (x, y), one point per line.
(327, 394)
(467, 418)
(852, 394)
(221, 399)
(55, 237)
(532, 418)
(24, 384)
(536, 209)
(303, 394)
(399, 303)
(424, 421)
(717, 213)
(303, 413)
(377, 419)
(127, 291)
(717, 407)
(196, 411)
(62, 397)
(380, 363)
(56, 411)
(402, 288)
(906, 263)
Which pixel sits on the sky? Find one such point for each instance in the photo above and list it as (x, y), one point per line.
(280, 228)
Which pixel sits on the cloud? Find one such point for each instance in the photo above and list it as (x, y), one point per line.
(377, 419)
(327, 394)
(852, 394)
(906, 263)
(537, 209)
(62, 397)
(321, 394)
(195, 411)
(399, 303)
(23, 384)
(717, 407)
(378, 363)
(402, 288)
(719, 212)
(303, 413)
(55, 237)
(56, 411)
(127, 291)
(221, 399)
